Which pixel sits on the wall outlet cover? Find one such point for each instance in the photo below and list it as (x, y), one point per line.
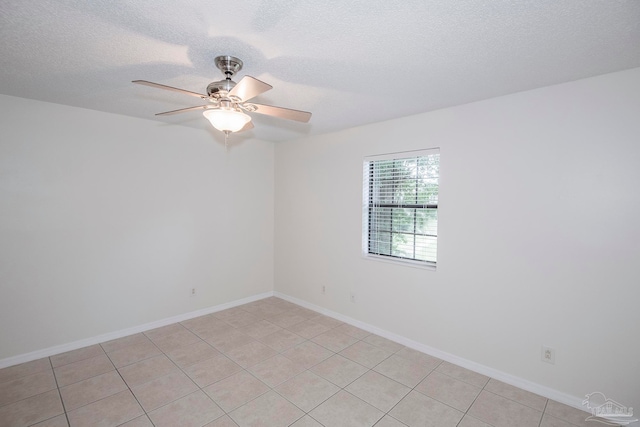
(548, 355)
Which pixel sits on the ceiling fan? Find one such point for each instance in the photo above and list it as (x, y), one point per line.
(228, 100)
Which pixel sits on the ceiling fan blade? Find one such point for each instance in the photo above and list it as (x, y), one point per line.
(249, 87)
(182, 110)
(248, 126)
(165, 87)
(283, 113)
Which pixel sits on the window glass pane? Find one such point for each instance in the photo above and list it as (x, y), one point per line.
(427, 221)
(403, 220)
(380, 243)
(402, 211)
(426, 248)
(381, 218)
(402, 245)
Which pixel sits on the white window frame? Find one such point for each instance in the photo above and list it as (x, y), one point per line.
(365, 209)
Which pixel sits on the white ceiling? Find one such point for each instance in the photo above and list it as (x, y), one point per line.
(349, 62)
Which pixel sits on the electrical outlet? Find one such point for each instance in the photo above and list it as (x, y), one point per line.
(323, 290)
(548, 355)
(193, 292)
(352, 297)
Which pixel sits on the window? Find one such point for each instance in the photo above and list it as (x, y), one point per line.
(400, 206)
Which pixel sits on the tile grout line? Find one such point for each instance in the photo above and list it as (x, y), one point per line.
(57, 388)
(133, 394)
(414, 389)
(64, 409)
(474, 401)
(543, 411)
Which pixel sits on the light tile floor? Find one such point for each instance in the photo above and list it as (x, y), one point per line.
(267, 363)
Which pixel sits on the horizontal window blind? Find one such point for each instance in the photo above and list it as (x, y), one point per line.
(401, 203)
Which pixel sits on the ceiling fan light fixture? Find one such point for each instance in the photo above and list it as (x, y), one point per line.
(226, 120)
(230, 100)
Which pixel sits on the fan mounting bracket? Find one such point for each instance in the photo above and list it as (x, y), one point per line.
(229, 65)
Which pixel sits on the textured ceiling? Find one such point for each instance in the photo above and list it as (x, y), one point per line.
(349, 62)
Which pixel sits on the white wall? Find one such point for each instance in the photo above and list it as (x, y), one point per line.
(107, 222)
(539, 239)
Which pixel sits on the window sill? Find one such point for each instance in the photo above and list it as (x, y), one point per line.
(400, 261)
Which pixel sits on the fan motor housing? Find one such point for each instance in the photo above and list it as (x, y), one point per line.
(215, 88)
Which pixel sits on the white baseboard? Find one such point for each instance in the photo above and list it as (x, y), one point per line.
(527, 385)
(51, 351)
